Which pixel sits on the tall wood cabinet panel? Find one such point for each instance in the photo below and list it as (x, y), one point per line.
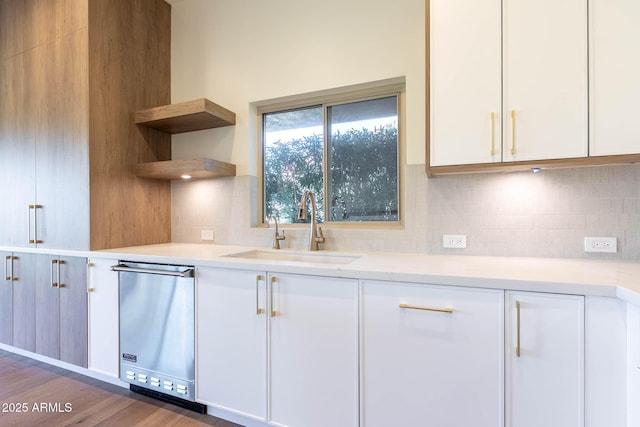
(614, 71)
(24, 301)
(67, 136)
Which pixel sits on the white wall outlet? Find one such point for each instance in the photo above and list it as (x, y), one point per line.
(457, 241)
(206, 234)
(601, 244)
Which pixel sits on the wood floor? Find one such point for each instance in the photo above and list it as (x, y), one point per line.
(51, 396)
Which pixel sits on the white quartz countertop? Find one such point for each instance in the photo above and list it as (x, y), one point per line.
(583, 277)
(572, 276)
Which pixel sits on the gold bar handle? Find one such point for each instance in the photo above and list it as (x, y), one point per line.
(35, 224)
(31, 241)
(60, 284)
(518, 328)
(54, 263)
(259, 311)
(89, 288)
(274, 313)
(438, 310)
(7, 261)
(513, 131)
(493, 134)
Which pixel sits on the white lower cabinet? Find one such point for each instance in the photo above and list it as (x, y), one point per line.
(544, 360)
(633, 365)
(231, 341)
(425, 367)
(103, 317)
(278, 348)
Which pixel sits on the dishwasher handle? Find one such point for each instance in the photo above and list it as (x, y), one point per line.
(187, 273)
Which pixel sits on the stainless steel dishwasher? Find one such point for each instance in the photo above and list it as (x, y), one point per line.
(157, 331)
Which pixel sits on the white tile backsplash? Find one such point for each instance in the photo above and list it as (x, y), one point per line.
(546, 214)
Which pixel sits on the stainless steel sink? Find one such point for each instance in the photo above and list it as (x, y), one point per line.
(303, 257)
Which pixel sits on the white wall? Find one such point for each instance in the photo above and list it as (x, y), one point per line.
(236, 52)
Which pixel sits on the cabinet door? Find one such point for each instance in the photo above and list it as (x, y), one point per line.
(313, 351)
(614, 71)
(6, 299)
(47, 306)
(103, 317)
(62, 159)
(545, 79)
(424, 367)
(17, 148)
(231, 341)
(465, 82)
(544, 360)
(73, 310)
(633, 365)
(24, 301)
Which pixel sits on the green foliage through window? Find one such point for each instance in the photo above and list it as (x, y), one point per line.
(362, 161)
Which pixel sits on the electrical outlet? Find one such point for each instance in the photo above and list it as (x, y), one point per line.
(206, 234)
(457, 241)
(601, 244)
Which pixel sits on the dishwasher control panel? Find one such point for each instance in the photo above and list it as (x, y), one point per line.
(158, 382)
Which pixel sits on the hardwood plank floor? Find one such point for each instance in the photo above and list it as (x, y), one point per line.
(36, 394)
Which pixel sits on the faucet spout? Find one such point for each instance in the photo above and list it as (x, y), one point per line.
(278, 236)
(316, 235)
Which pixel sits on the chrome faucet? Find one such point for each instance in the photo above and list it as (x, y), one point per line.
(277, 236)
(316, 232)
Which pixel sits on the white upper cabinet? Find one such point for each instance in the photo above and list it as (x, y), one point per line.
(614, 75)
(465, 82)
(545, 79)
(528, 101)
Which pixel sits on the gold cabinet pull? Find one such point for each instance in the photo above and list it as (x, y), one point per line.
(493, 133)
(518, 328)
(513, 131)
(7, 261)
(274, 313)
(89, 288)
(259, 311)
(54, 264)
(438, 310)
(33, 240)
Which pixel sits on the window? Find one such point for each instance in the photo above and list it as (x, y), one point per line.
(346, 153)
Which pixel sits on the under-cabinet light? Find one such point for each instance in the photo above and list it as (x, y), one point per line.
(185, 176)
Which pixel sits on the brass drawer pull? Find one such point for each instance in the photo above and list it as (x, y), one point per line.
(438, 310)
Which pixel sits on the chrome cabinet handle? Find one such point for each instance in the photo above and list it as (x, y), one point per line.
(259, 311)
(518, 328)
(438, 310)
(187, 273)
(54, 264)
(274, 313)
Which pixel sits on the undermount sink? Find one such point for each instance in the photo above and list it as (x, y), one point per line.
(314, 258)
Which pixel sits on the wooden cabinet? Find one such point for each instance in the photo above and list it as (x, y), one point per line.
(423, 363)
(66, 127)
(232, 360)
(61, 308)
(6, 299)
(614, 83)
(103, 317)
(544, 360)
(306, 327)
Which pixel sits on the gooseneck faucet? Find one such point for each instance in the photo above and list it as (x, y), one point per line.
(316, 236)
(277, 237)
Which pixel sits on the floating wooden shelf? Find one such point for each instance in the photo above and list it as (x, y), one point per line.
(186, 116)
(175, 169)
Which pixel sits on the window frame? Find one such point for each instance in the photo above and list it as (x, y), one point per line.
(325, 99)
